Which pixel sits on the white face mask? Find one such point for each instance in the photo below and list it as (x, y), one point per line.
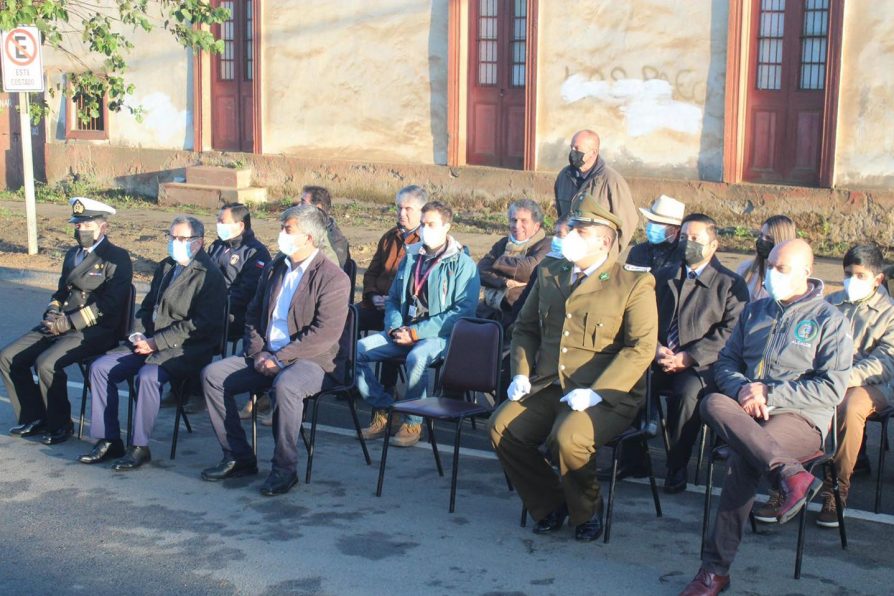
(227, 231)
(434, 237)
(287, 243)
(779, 285)
(574, 247)
(858, 289)
(181, 251)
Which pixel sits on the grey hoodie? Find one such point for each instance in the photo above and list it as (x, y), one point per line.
(801, 351)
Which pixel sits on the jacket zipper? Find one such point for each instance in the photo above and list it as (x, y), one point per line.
(759, 373)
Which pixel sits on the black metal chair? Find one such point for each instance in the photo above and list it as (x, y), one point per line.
(665, 435)
(882, 417)
(350, 269)
(472, 364)
(125, 326)
(822, 458)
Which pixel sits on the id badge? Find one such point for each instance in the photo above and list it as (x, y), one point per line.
(411, 311)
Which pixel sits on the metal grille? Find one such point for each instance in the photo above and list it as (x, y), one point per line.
(249, 38)
(227, 59)
(94, 124)
(519, 26)
(769, 48)
(814, 41)
(487, 43)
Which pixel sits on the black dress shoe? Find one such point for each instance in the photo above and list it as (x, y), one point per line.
(553, 521)
(589, 530)
(278, 483)
(35, 427)
(133, 459)
(230, 468)
(102, 451)
(60, 435)
(675, 481)
(624, 471)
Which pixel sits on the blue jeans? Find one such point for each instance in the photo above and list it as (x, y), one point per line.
(419, 356)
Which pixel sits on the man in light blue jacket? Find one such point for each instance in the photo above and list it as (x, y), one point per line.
(436, 284)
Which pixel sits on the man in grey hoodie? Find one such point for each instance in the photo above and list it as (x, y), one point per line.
(780, 376)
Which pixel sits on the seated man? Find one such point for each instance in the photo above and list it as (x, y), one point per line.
(292, 331)
(334, 245)
(780, 376)
(560, 230)
(699, 303)
(183, 318)
(436, 284)
(81, 320)
(578, 372)
(662, 246)
(506, 269)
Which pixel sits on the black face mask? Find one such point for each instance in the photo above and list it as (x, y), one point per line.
(693, 252)
(85, 238)
(576, 158)
(763, 247)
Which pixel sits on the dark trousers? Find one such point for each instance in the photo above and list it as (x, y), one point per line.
(372, 319)
(49, 355)
(226, 378)
(772, 448)
(105, 375)
(683, 390)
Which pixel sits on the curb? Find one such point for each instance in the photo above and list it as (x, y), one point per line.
(36, 277)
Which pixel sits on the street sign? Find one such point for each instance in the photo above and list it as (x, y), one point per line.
(22, 60)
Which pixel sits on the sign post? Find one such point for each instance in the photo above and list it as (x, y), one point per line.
(22, 62)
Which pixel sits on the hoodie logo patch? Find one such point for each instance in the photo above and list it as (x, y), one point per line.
(806, 332)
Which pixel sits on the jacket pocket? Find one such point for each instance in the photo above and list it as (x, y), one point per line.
(600, 330)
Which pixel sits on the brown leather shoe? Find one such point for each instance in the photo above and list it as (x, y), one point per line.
(706, 583)
(796, 491)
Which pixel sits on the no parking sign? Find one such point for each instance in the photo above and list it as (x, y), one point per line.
(22, 60)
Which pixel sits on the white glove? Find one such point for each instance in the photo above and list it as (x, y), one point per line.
(519, 387)
(581, 399)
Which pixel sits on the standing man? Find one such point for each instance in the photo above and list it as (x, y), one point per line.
(183, 318)
(780, 376)
(578, 372)
(662, 246)
(587, 175)
(292, 331)
(82, 320)
(334, 244)
(437, 283)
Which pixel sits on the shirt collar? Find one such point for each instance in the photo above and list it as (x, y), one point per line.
(303, 265)
(576, 271)
(698, 271)
(95, 244)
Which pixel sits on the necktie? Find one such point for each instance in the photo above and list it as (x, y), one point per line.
(673, 332)
(79, 258)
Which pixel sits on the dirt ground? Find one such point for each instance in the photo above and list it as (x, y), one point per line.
(140, 229)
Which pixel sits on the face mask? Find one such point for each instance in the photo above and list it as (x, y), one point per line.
(693, 252)
(576, 158)
(858, 289)
(433, 237)
(574, 248)
(287, 243)
(180, 251)
(85, 238)
(763, 247)
(227, 231)
(778, 285)
(555, 246)
(655, 233)
(517, 242)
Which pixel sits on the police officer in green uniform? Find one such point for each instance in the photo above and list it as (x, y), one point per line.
(80, 321)
(580, 349)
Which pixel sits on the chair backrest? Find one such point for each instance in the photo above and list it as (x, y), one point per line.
(347, 349)
(474, 357)
(125, 325)
(224, 333)
(350, 269)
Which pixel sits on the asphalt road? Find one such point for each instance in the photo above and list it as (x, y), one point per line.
(68, 528)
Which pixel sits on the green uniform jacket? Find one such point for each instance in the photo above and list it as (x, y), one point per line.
(602, 336)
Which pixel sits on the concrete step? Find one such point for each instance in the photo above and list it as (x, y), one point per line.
(211, 197)
(219, 176)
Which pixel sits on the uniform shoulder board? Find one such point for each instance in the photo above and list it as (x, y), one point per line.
(629, 267)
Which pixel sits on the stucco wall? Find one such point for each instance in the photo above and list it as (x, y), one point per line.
(648, 75)
(356, 79)
(864, 151)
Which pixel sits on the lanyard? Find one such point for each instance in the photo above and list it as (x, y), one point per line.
(418, 283)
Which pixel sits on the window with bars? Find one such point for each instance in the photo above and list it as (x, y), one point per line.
(769, 47)
(487, 42)
(814, 41)
(94, 127)
(519, 32)
(227, 58)
(249, 39)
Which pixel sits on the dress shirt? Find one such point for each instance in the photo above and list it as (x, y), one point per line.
(278, 333)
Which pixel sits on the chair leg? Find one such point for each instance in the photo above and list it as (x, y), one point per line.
(654, 485)
(353, 407)
(709, 481)
(616, 455)
(313, 440)
(456, 440)
(881, 466)
(177, 415)
(384, 453)
(802, 528)
(508, 482)
(84, 391)
(434, 445)
(662, 420)
(839, 506)
(701, 453)
(753, 522)
(524, 517)
(254, 422)
(131, 398)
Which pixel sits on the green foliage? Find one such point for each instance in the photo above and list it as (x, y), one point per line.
(104, 28)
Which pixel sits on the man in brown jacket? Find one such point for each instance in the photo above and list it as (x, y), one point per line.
(292, 331)
(587, 175)
(578, 372)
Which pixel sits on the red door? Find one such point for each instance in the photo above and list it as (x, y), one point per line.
(496, 135)
(12, 172)
(787, 78)
(231, 80)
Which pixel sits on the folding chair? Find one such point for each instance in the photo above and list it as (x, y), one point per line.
(350, 270)
(472, 364)
(882, 417)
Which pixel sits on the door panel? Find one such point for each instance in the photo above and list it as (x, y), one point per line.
(232, 118)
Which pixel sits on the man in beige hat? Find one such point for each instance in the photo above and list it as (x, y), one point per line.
(661, 248)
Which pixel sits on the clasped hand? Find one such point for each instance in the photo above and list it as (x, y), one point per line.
(753, 399)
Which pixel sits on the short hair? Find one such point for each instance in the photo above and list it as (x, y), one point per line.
(309, 219)
(529, 204)
(413, 192)
(445, 211)
(196, 228)
(867, 255)
(709, 222)
(240, 213)
(319, 197)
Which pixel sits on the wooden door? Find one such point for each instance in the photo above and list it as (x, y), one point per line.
(785, 104)
(12, 174)
(496, 115)
(232, 71)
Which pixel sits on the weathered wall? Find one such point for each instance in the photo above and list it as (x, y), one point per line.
(648, 75)
(356, 79)
(864, 152)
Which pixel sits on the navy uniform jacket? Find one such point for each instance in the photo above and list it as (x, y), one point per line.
(241, 261)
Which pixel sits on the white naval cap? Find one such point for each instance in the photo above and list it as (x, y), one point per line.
(85, 209)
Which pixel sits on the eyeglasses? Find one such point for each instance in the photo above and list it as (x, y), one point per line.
(170, 236)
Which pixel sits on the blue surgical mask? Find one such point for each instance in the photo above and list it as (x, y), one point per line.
(517, 242)
(180, 251)
(656, 233)
(555, 246)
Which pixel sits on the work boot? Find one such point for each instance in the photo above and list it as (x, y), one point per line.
(407, 435)
(828, 515)
(263, 405)
(376, 428)
(796, 490)
(766, 513)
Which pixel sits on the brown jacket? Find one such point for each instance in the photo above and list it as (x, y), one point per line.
(496, 267)
(383, 267)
